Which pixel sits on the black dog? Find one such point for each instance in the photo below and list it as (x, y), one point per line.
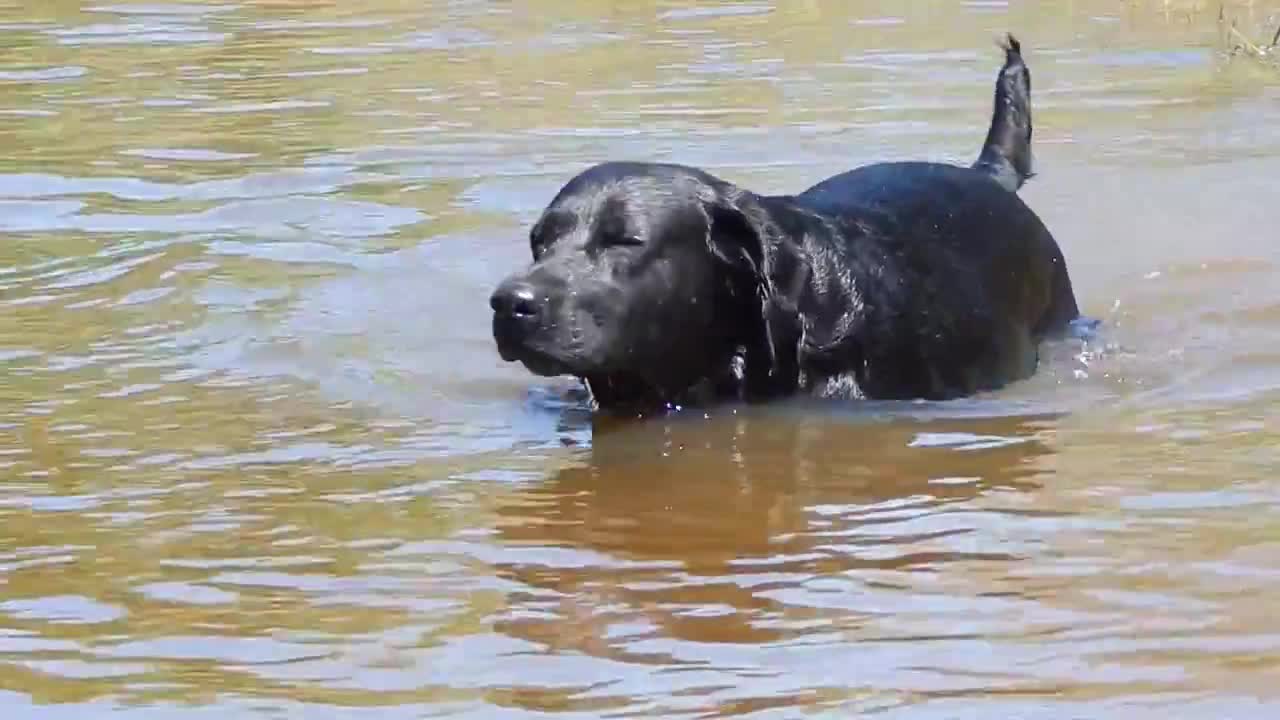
(661, 285)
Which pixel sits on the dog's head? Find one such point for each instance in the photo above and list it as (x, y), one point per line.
(646, 279)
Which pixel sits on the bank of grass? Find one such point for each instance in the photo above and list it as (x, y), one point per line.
(1249, 28)
(1269, 53)
(1258, 47)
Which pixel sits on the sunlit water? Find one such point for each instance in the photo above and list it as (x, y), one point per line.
(259, 458)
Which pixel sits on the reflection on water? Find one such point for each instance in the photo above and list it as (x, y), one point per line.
(258, 457)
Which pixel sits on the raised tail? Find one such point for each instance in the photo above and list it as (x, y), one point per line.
(1006, 156)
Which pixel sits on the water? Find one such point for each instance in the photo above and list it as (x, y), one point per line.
(259, 458)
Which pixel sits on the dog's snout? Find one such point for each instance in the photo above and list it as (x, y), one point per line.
(515, 299)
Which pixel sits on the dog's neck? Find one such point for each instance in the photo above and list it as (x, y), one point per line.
(632, 395)
(810, 265)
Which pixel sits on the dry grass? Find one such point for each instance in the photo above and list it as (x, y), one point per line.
(1245, 45)
(1207, 6)
(1241, 43)
(1250, 28)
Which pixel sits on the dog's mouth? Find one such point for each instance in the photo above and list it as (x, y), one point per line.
(544, 365)
(619, 392)
(547, 351)
(535, 360)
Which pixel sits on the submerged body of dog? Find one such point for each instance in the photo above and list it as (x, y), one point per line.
(660, 284)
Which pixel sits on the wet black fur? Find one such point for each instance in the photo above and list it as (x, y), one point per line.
(659, 284)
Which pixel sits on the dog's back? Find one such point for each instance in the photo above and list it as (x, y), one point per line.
(960, 278)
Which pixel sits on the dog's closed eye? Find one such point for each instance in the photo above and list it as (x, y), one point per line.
(612, 229)
(621, 241)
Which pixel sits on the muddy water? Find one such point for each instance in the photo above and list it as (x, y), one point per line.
(258, 457)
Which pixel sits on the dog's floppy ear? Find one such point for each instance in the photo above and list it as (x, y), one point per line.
(739, 242)
(743, 241)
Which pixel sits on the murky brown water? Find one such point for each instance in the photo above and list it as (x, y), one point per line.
(258, 457)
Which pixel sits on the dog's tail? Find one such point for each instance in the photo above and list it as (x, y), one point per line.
(1006, 156)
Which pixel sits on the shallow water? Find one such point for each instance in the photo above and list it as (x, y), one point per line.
(259, 458)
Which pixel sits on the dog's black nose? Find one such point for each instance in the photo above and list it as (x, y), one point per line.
(515, 299)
